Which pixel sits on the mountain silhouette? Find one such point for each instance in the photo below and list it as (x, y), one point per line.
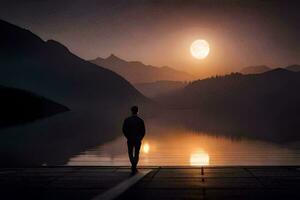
(255, 69)
(98, 98)
(263, 68)
(158, 88)
(137, 72)
(294, 68)
(19, 106)
(51, 70)
(261, 105)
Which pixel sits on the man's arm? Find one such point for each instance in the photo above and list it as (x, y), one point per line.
(143, 129)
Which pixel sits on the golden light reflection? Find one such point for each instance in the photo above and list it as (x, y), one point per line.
(180, 147)
(146, 148)
(199, 158)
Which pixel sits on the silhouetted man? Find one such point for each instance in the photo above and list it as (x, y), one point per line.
(134, 131)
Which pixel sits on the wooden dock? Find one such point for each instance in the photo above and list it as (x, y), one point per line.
(151, 183)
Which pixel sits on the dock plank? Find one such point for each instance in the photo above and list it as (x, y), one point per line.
(258, 182)
(218, 183)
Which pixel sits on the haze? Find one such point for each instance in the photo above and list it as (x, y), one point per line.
(159, 33)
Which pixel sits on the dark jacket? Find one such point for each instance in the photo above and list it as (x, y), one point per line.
(134, 128)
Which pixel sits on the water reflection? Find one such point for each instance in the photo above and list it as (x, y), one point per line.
(179, 147)
(199, 158)
(145, 147)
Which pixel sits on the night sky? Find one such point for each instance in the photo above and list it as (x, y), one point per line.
(240, 33)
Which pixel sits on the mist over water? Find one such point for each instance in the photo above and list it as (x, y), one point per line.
(177, 146)
(168, 142)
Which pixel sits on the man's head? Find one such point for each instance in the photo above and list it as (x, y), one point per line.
(134, 110)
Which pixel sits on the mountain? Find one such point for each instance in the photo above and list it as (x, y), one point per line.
(294, 68)
(263, 105)
(158, 88)
(255, 69)
(19, 106)
(51, 70)
(98, 98)
(262, 68)
(137, 72)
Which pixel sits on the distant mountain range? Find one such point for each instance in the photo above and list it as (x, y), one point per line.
(158, 88)
(51, 70)
(262, 105)
(137, 72)
(98, 98)
(294, 68)
(263, 68)
(19, 107)
(255, 69)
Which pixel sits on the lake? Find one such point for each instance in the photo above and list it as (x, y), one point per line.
(165, 146)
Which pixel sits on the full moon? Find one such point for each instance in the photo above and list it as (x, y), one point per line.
(199, 49)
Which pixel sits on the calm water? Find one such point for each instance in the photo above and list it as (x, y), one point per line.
(170, 147)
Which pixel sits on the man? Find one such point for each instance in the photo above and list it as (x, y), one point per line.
(134, 131)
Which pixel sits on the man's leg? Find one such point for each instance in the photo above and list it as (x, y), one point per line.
(137, 148)
(130, 152)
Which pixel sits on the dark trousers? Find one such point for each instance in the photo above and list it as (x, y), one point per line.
(134, 156)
